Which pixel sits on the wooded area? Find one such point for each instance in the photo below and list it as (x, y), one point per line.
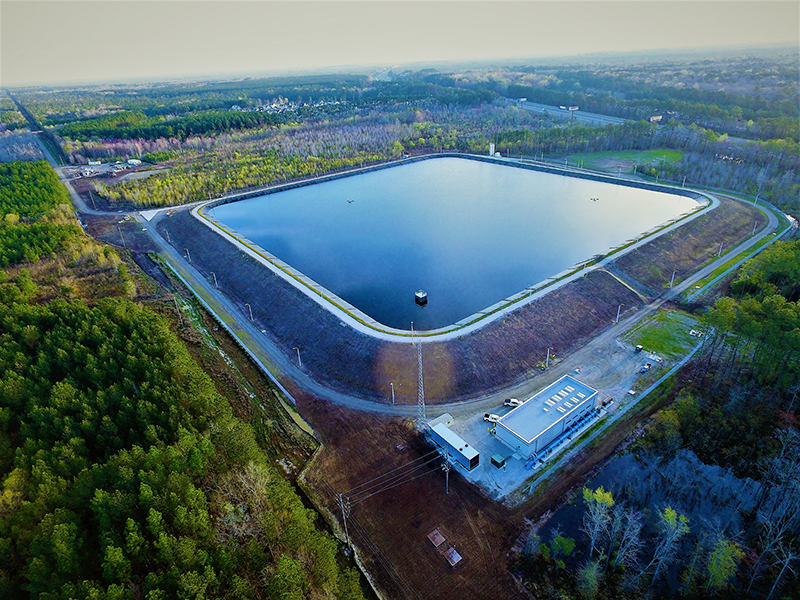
(726, 452)
(225, 136)
(124, 472)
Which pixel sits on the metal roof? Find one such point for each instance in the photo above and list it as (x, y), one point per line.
(554, 403)
(455, 441)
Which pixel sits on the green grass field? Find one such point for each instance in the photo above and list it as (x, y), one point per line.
(666, 333)
(622, 160)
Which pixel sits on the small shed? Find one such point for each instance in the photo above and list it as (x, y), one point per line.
(464, 454)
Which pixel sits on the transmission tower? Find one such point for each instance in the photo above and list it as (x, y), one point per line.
(421, 418)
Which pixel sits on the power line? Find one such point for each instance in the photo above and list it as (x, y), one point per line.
(406, 589)
(352, 490)
(396, 483)
(390, 482)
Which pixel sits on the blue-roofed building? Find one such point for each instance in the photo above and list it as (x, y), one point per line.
(559, 408)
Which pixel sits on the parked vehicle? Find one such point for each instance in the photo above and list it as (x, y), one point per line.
(491, 418)
(512, 402)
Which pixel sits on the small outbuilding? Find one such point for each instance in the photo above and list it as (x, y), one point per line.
(448, 440)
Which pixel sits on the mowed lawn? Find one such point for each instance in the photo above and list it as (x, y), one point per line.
(623, 160)
(666, 333)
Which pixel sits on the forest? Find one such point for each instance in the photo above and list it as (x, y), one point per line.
(734, 119)
(121, 460)
(706, 503)
(30, 224)
(124, 472)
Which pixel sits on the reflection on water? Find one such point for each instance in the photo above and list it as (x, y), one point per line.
(469, 233)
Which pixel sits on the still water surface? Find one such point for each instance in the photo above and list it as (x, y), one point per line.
(470, 233)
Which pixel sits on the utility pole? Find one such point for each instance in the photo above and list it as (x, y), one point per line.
(345, 506)
(251, 310)
(167, 232)
(215, 279)
(720, 250)
(446, 469)
(392, 386)
(189, 256)
(619, 308)
(121, 239)
(547, 359)
(421, 418)
(673, 279)
(754, 228)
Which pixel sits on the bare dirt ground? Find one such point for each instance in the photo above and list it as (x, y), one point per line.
(117, 231)
(390, 528)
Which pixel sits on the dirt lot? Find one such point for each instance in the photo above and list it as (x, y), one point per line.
(391, 527)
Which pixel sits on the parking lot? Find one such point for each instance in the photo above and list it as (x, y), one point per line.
(607, 364)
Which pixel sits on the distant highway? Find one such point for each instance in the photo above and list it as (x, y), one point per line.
(579, 115)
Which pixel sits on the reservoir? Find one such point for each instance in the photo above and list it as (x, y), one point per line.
(468, 232)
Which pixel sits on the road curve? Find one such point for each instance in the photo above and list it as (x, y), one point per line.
(283, 369)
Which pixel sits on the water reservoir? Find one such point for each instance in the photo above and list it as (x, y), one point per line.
(468, 232)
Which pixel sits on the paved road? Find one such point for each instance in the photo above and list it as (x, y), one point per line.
(579, 115)
(377, 330)
(284, 370)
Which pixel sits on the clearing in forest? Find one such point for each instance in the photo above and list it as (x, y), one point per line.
(623, 160)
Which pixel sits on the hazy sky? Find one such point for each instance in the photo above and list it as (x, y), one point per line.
(50, 42)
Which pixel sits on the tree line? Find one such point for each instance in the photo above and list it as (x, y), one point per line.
(123, 472)
(712, 507)
(30, 227)
(129, 125)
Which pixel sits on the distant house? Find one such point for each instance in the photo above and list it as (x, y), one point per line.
(655, 119)
(134, 161)
(95, 162)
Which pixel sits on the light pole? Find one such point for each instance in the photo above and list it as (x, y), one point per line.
(720, 250)
(619, 308)
(215, 278)
(392, 386)
(299, 364)
(673, 279)
(167, 232)
(121, 239)
(189, 256)
(547, 359)
(251, 310)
